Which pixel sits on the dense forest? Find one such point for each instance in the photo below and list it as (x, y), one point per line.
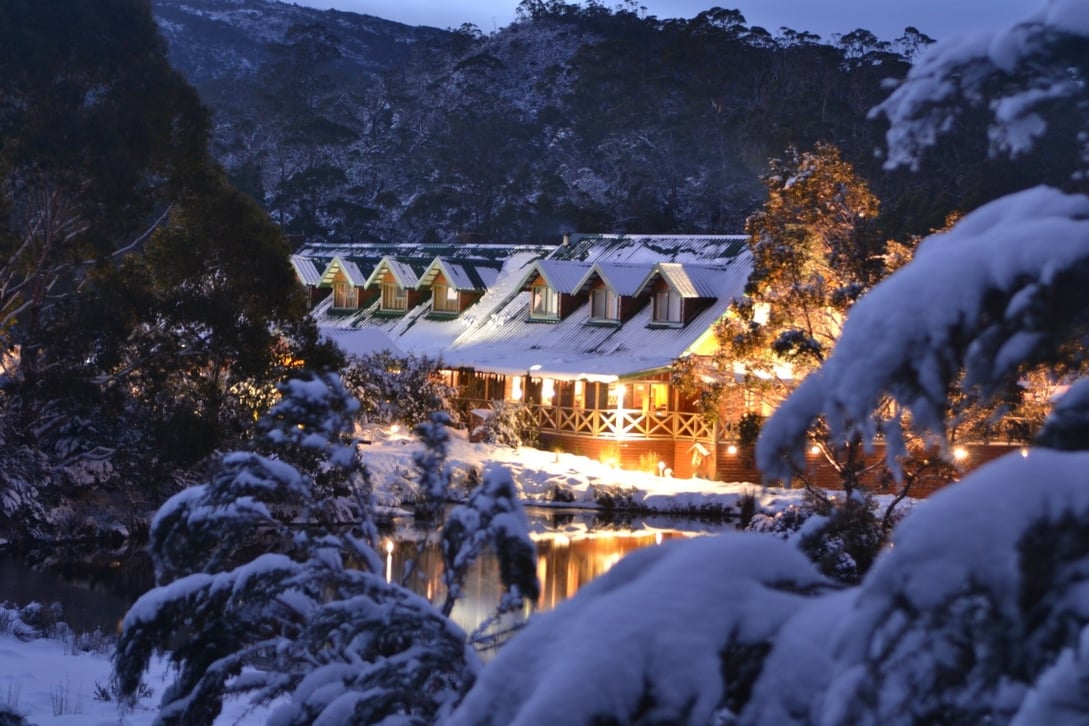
(575, 117)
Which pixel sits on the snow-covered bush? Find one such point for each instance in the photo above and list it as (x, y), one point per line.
(434, 480)
(511, 423)
(404, 390)
(252, 568)
(841, 535)
(981, 596)
(978, 612)
(494, 518)
(672, 634)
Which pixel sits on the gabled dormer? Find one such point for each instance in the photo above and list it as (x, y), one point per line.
(308, 272)
(678, 292)
(397, 284)
(454, 285)
(613, 290)
(346, 277)
(552, 285)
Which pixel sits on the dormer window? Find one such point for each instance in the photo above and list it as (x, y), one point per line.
(545, 303)
(444, 299)
(394, 297)
(604, 305)
(667, 307)
(343, 294)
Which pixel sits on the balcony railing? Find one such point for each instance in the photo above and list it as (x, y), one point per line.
(620, 424)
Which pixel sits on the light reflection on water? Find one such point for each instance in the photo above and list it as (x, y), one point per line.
(572, 549)
(570, 554)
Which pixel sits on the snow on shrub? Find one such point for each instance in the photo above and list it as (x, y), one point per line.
(983, 590)
(671, 634)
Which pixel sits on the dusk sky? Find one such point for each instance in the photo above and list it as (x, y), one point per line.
(886, 18)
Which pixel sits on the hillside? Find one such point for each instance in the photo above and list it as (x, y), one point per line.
(351, 128)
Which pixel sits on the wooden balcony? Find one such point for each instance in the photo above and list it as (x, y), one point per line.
(622, 424)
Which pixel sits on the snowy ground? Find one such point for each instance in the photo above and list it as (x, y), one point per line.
(538, 473)
(52, 686)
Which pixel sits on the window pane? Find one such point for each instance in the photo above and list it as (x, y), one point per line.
(544, 302)
(597, 304)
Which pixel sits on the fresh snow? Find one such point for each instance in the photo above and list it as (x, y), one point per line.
(37, 673)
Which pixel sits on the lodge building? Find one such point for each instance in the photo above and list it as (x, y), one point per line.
(585, 332)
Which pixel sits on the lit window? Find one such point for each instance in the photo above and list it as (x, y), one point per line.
(343, 294)
(545, 303)
(604, 304)
(667, 306)
(444, 299)
(394, 297)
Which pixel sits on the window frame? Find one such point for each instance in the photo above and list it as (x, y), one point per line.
(604, 305)
(343, 293)
(668, 307)
(544, 303)
(394, 297)
(445, 299)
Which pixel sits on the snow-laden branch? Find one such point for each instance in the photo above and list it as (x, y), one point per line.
(1017, 76)
(1001, 289)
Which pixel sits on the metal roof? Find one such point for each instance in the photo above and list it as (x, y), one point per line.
(353, 268)
(406, 272)
(686, 280)
(496, 334)
(307, 270)
(508, 341)
(649, 249)
(560, 275)
(463, 275)
(625, 279)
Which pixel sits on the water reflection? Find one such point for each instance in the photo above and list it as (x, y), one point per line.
(572, 549)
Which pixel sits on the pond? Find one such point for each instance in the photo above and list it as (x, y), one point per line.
(573, 547)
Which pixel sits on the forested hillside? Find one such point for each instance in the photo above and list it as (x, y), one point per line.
(347, 127)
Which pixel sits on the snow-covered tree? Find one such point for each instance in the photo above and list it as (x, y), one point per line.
(1006, 287)
(511, 423)
(252, 570)
(404, 390)
(675, 633)
(977, 614)
(493, 517)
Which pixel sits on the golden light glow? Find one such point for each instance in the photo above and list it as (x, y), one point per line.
(548, 391)
(814, 449)
(960, 453)
(731, 450)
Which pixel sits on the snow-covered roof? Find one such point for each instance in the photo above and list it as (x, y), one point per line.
(307, 269)
(354, 269)
(650, 249)
(462, 275)
(561, 275)
(406, 272)
(686, 280)
(495, 334)
(509, 342)
(625, 279)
